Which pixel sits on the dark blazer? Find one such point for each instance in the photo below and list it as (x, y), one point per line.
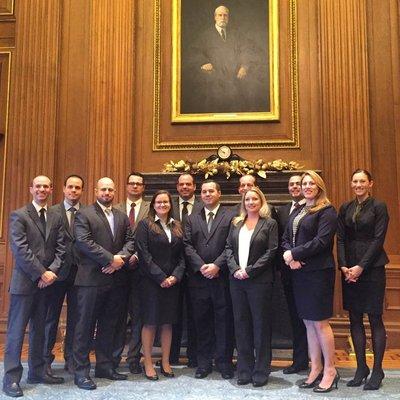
(34, 251)
(97, 246)
(202, 247)
(197, 207)
(158, 258)
(282, 219)
(71, 254)
(263, 246)
(314, 239)
(361, 243)
(143, 211)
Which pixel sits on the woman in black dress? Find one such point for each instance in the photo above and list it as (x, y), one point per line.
(250, 251)
(362, 229)
(160, 252)
(307, 245)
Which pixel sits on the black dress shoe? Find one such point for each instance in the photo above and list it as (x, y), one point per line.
(305, 385)
(165, 373)
(243, 381)
(294, 369)
(46, 379)
(135, 368)
(111, 375)
(375, 382)
(227, 374)
(13, 390)
(202, 373)
(85, 383)
(260, 382)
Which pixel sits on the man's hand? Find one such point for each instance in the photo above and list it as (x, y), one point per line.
(242, 73)
(133, 261)
(207, 67)
(295, 264)
(48, 277)
(241, 274)
(118, 262)
(210, 271)
(354, 273)
(287, 256)
(168, 282)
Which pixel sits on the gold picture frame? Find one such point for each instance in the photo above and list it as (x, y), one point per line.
(269, 101)
(162, 131)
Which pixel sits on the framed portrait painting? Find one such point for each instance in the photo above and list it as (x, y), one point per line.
(225, 61)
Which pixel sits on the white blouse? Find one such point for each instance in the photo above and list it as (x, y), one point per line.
(244, 246)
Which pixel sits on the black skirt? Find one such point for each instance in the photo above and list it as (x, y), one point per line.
(158, 305)
(367, 294)
(313, 293)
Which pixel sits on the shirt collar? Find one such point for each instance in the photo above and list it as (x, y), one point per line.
(214, 210)
(219, 29)
(137, 202)
(104, 207)
(38, 207)
(157, 218)
(190, 201)
(301, 202)
(67, 206)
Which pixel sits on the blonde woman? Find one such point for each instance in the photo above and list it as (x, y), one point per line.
(307, 245)
(250, 251)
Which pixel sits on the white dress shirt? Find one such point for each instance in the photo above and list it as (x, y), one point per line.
(244, 245)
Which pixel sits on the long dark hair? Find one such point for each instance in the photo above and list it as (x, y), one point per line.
(175, 226)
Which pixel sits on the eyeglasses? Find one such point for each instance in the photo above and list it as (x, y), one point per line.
(135, 184)
(162, 202)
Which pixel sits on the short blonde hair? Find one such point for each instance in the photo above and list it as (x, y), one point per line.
(321, 200)
(264, 212)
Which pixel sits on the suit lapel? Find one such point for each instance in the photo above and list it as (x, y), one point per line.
(141, 213)
(65, 221)
(217, 221)
(257, 228)
(100, 213)
(35, 218)
(201, 217)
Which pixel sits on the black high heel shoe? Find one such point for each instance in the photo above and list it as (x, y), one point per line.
(305, 385)
(150, 377)
(375, 381)
(165, 373)
(359, 377)
(319, 389)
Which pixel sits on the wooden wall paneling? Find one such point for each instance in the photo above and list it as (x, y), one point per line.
(33, 105)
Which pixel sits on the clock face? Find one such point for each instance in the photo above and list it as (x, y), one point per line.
(224, 152)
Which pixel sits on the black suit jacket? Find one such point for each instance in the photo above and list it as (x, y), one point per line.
(314, 239)
(263, 246)
(282, 219)
(197, 207)
(361, 243)
(71, 254)
(202, 247)
(34, 251)
(97, 246)
(158, 258)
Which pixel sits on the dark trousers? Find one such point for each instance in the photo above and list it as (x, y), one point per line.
(300, 346)
(55, 295)
(97, 308)
(130, 306)
(252, 314)
(214, 325)
(25, 309)
(185, 320)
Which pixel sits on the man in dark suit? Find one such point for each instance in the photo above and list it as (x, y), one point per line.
(183, 206)
(37, 243)
(205, 239)
(246, 182)
(136, 208)
(300, 348)
(105, 243)
(63, 287)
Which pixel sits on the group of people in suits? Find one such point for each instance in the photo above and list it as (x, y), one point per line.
(156, 266)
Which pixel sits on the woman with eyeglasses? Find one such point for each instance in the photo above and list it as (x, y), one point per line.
(362, 227)
(307, 244)
(160, 251)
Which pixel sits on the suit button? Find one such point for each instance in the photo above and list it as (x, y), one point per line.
(206, 245)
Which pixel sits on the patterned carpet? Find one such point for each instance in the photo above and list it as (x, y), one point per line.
(185, 386)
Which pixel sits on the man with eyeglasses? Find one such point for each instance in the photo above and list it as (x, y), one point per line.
(136, 208)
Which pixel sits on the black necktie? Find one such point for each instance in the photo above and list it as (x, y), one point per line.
(184, 212)
(42, 219)
(223, 34)
(296, 205)
(210, 221)
(72, 210)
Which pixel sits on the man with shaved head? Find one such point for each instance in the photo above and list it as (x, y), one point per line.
(37, 243)
(105, 243)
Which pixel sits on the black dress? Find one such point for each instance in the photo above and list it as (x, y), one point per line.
(313, 283)
(158, 259)
(360, 242)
